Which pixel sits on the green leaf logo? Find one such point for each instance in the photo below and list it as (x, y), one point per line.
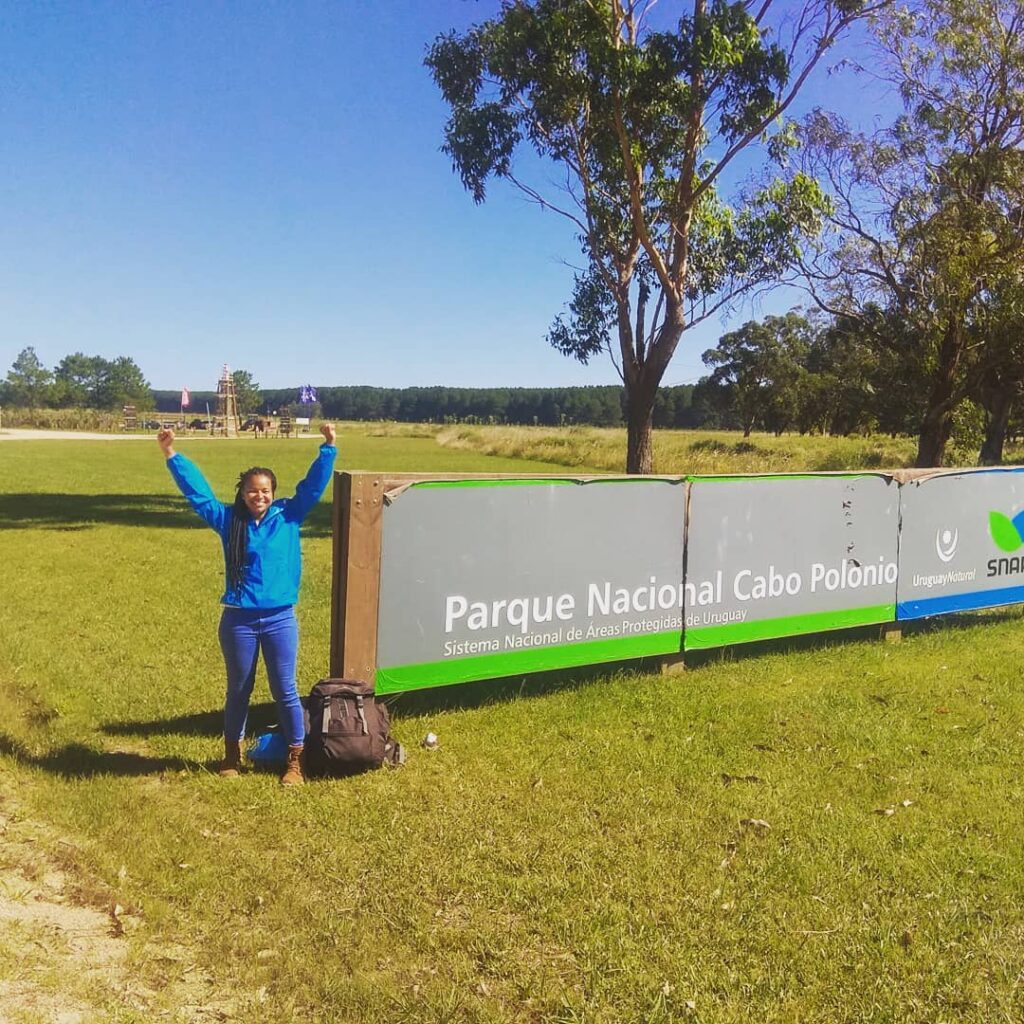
(1004, 533)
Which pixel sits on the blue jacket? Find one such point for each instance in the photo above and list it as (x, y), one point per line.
(273, 562)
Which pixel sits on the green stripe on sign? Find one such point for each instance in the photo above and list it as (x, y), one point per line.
(531, 659)
(704, 637)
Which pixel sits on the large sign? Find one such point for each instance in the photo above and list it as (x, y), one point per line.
(778, 556)
(961, 542)
(489, 578)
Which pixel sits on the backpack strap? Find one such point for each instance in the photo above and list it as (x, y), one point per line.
(334, 711)
(362, 717)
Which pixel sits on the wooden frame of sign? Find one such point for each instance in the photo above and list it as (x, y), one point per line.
(355, 590)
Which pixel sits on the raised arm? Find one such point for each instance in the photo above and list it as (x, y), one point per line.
(192, 483)
(165, 438)
(309, 489)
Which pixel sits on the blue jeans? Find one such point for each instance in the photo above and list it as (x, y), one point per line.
(243, 633)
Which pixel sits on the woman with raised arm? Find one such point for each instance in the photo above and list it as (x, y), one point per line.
(263, 565)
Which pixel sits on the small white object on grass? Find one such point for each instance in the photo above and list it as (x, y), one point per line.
(430, 741)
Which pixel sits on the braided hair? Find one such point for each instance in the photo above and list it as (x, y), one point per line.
(238, 537)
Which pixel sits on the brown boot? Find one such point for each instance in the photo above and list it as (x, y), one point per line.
(293, 770)
(232, 763)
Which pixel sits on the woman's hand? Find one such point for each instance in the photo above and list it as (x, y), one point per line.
(327, 429)
(165, 438)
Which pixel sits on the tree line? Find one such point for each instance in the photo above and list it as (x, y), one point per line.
(803, 372)
(834, 375)
(599, 406)
(77, 381)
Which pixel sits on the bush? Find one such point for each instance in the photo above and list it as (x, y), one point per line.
(968, 435)
(62, 419)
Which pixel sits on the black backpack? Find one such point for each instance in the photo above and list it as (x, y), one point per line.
(349, 731)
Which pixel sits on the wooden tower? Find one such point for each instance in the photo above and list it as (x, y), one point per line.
(226, 421)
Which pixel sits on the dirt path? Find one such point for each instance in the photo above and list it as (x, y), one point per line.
(19, 434)
(67, 951)
(24, 434)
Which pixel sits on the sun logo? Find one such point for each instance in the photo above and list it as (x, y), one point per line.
(945, 543)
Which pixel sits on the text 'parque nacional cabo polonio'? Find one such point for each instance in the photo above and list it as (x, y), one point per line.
(523, 613)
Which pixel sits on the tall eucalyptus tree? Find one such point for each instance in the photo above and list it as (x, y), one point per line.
(646, 110)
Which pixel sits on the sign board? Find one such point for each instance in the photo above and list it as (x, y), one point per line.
(961, 543)
(482, 579)
(302, 421)
(779, 556)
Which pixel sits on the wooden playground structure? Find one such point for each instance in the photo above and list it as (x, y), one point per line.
(226, 421)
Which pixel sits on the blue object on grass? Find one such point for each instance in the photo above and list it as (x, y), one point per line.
(269, 746)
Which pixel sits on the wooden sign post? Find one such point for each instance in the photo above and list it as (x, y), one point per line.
(358, 526)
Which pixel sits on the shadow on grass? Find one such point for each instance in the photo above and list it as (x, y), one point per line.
(82, 511)
(78, 761)
(962, 622)
(202, 723)
(458, 697)
(464, 696)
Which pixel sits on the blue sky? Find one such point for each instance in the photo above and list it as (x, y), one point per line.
(261, 184)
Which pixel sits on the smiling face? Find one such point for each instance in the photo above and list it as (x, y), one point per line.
(258, 494)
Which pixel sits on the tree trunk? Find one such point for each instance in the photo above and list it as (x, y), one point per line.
(999, 406)
(937, 424)
(643, 370)
(639, 426)
(931, 443)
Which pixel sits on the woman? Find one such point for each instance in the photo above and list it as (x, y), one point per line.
(263, 565)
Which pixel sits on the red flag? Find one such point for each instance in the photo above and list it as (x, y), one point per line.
(184, 398)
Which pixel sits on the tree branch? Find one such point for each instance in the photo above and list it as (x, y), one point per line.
(824, 43)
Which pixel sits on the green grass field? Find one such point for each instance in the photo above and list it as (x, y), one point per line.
(575, 850)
